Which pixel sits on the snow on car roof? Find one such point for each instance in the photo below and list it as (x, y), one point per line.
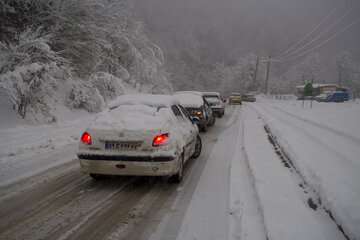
(189, 99)
(211, 94)
(144, 99)
(189, 92)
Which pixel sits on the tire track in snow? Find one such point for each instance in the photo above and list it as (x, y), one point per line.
(19, 210)
(251, 178)
(63, 209)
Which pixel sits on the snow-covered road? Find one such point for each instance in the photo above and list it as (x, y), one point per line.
(250, 183)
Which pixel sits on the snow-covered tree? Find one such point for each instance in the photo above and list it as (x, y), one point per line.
(344, 67)
(93, 46)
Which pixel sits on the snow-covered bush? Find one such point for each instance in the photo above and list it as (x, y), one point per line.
(30, 71)
(108, 85)
(90, 45)
(83, 95)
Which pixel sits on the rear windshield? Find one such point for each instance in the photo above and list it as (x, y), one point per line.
(212, 99)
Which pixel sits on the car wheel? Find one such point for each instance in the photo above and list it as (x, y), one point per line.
(213, 122)
(198, 147)
(97, 177)
(203, 128)
(177, 178)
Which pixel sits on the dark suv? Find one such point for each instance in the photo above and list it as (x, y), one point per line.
(197, 106)
(216, 103)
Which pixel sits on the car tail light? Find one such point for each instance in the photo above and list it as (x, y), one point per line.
(160, 140)
(86, 138)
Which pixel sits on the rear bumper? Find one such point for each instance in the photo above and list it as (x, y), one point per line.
(129, 166)
(202, 123)
(218, 111)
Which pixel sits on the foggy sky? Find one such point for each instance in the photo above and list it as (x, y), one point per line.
(229, 28)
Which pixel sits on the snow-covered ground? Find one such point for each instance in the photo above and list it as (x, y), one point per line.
(269, 170)
(271, 192)
(27, 150)
(284, 204)
(323, 144)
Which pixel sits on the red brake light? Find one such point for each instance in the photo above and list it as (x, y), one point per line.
(86, 138)
(161, 139)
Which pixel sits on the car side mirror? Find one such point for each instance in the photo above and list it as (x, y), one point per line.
(195, 120)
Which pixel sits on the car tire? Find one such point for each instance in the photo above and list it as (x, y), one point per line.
(198, 147)
(213, 122)
(203, 128)
(97, 177)
(178, 177)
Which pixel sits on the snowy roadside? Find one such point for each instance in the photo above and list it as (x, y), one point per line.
(29, 150)
(343, 118)
(326, 160)
(284, 204)
(207, 216)
(246, 215)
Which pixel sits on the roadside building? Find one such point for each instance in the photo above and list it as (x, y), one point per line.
(320, 89)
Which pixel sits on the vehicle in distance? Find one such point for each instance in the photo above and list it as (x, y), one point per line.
(235, 98)
(338, 96)
(248, 98)
(197, 106)
(140, 135)
(322, 97)
(216, 103)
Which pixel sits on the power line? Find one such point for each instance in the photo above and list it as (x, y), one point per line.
(294, 46)
(324, 42)
(319, 36)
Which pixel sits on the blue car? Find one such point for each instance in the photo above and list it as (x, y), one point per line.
(338, 97)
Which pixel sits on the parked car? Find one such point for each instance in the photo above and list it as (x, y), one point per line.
(322, 97)
(197, 106)
(338, 96)
(235, 98)
(140, 135)
(216, 103)
(248, 98)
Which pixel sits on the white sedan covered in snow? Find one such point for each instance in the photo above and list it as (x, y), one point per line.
(140, 135)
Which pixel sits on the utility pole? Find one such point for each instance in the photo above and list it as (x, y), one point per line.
(267, 75)
(340, 76)
(256, 70)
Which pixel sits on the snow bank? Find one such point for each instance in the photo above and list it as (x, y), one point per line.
(328, 161)
(343, 117)
(286, 213)
(28, 150)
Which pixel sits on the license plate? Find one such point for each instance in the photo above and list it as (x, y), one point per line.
(114, 145)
